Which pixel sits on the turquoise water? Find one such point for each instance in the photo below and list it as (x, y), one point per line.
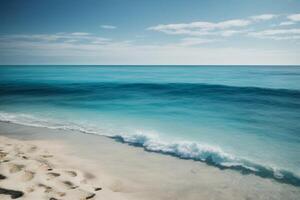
(241, 117)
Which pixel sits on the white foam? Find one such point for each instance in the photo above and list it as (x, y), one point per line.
(149, 141)
(182, 149)
(30, 120)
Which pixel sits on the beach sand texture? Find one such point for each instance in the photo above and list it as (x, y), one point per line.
(30, 172)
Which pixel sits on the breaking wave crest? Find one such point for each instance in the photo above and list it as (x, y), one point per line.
(182, 149)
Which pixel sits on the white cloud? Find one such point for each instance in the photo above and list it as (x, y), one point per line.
(277, 34)
(87, 48)
(263, 17)
(227, 33)
(80, 33)
(199, 28)
(202, 25)
(288, 37)
(58, 41)
(203, 28)
(154, 54)
(108, 27)
(286, 23)
(56, 37)
(294, 17)
(211, 31)
(16, 50)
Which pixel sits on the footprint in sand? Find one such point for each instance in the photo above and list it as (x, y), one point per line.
(46, 188)
(50, 192)
(53, 174)
(45, 164)
(29, 189)
(61, 194)
(84, 177)
(13, 168)
(69, 185)
(88, 175)
(74, 191)
(81, 194)
(2, 154)
(25, 157)
(56, 195)
(90, 196)
(71, 173)
(76, 194)
(27, 175)
(98, 189)
(47, 156)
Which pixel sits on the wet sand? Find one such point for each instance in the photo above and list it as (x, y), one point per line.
(86, 163)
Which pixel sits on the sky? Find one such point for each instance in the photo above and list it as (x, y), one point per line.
(150, 32)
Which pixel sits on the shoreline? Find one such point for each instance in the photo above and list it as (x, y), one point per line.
(186, 150)
(132, 173)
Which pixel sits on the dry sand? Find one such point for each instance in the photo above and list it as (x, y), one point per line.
(30, 170)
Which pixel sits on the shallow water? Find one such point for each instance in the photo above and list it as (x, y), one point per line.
(240, 117)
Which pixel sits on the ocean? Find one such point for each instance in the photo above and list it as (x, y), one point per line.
(244, 118)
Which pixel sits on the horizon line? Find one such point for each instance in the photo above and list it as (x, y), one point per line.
(154, 65)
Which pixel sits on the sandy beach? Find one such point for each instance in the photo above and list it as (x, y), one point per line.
(54, 164)
(38, 170)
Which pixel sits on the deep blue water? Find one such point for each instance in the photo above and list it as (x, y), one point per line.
(241, 117)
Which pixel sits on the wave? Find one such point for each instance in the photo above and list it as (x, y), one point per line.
(59, 88)
(188, 95)
(211, 155)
